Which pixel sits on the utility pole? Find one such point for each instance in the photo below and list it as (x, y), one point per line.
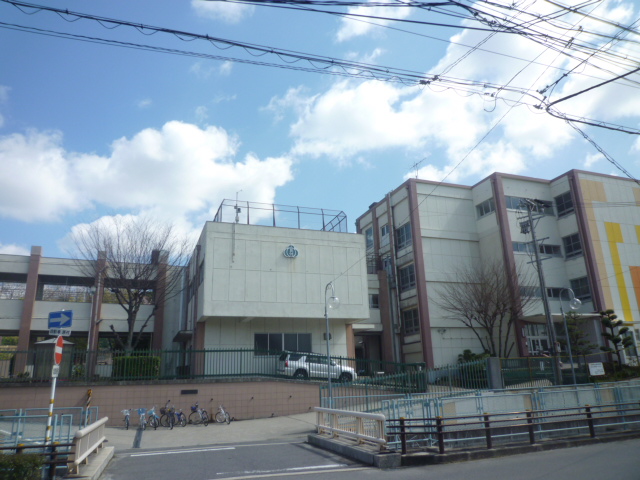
(525, 227)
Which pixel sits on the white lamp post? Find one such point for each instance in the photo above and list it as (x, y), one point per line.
(332, 302)
(574, 304)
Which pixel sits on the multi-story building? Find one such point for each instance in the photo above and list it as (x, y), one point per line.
(266, 287)
(259, 280)
(587, 236)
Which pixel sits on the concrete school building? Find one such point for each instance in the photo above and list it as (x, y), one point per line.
(588, 231)
(259, 280)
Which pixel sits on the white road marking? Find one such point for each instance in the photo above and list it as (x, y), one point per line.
(170, 452)
(288, 472)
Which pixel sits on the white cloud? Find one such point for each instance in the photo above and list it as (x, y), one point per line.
(226, 11)
(504, 131)
(13, 249)
(36, 177)
(145, 103)
(225, 68)
(351, 27)
(202, 113)
(178, 171)
(592, 159)
(4, 96)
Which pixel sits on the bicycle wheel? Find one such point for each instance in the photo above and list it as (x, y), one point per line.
(194, 418)
(227, 418)
(171, 421)
(153, 422)
(143, 423)
(220, 416)
(164, 420)
(205, 418)
(126, 423)
(183, 420)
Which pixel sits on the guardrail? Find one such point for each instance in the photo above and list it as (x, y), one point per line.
(87, 441)
(357, 426)
(559, 423)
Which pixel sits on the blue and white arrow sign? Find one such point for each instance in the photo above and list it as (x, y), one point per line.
(60, 323)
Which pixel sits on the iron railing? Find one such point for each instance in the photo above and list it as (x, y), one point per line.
(370, 393)
(524, 426)
(110, 366)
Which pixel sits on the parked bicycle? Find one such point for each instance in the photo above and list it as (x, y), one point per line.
(127, 415)
(154, 419)
(222, 416)
(198, 416)
(171, 416)
(142, 418)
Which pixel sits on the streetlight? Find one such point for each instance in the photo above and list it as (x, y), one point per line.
(330, 303)
(574, 304)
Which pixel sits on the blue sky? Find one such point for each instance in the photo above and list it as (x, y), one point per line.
(90, 130)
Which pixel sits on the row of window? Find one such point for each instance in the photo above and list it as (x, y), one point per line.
(277, 342)
(571, 243)
(564, 205)
(580, 287)
(403, 236)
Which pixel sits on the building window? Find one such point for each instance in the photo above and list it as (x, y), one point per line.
(564, 204)
(407, 277)
(527, 247)
(274, 343)
(387, 265)
(410, 321)
(572, 246)
(554, 292)
(530, 292)
(522, 247)
(372, 264)
(403, 236)
(486, 207)
(374, 300)
(520, 203)
(368, 235)
(580, 287)
(12, 290)
(384, 235)
(553, 250)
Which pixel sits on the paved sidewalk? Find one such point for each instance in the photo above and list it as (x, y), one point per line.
(286, 429)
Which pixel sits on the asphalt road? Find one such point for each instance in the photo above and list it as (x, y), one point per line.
(286, 460)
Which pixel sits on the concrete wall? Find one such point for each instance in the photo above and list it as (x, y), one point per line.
(243, 400)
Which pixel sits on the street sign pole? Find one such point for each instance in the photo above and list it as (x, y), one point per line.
(57, 358)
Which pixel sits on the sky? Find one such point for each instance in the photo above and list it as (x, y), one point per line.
(162, 108)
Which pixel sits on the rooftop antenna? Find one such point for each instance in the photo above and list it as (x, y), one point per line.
(417, 164)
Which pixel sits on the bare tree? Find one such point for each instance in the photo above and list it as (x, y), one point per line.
(487, 299)
(137, 261)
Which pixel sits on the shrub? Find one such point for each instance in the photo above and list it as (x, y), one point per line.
(20, 467)
(136, 367)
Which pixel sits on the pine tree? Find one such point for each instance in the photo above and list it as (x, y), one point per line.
(615, 334)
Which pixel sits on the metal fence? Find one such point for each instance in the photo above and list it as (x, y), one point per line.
(478, 403)
(110, 366)
(370, 393)
(28, 426)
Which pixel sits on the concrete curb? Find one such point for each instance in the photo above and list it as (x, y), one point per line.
(363, 454)
(95, 466)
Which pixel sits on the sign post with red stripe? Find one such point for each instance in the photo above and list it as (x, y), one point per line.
(57, 352)
(57, 358)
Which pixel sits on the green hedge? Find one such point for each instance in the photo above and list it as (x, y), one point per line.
(136, 367)
(20, 467)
